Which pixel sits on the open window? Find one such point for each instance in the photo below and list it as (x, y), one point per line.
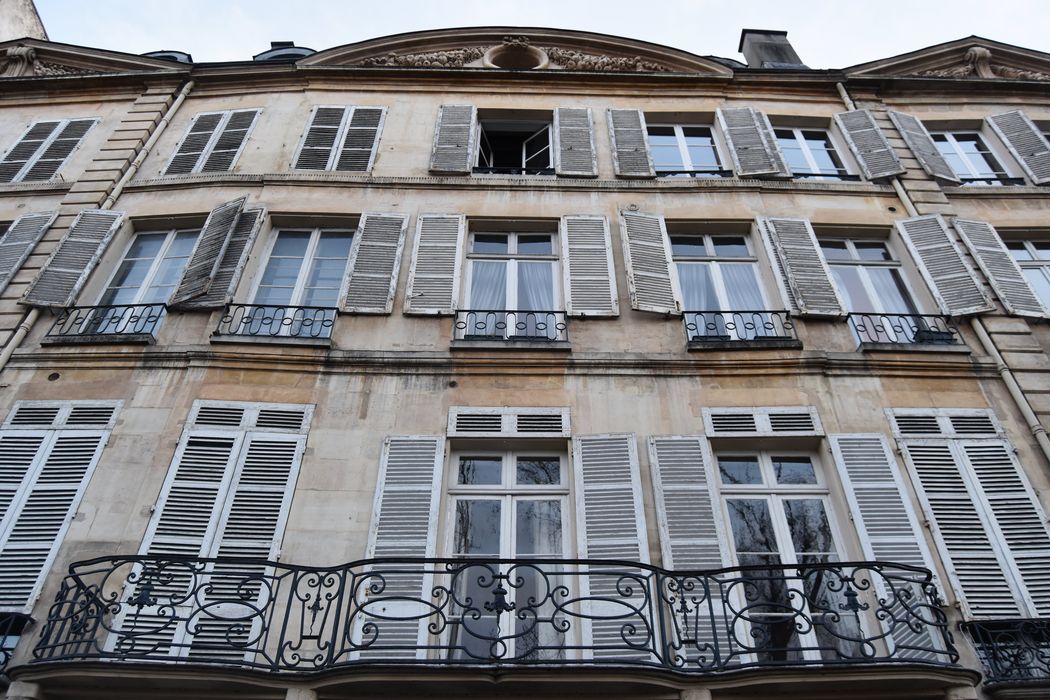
(684, 149)
(813, 152)
(514, 143)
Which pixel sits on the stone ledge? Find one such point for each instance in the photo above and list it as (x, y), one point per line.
(270, 340)
(959, 349)
(501, 345)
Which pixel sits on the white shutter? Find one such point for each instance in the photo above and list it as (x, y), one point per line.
(793, 245)
(66, 271)
(43, 149)
(630, 143)
(18, 242)
(869, 145)
(229, 141)
(922, 145)
(1000, 268)
(433, 283)
(454, 136)
(651, 275)
(231, 264)
(25, 149)
(763, 421)
(574, 151)
(193, 145)
(751, 141)
(357, 152)
(212, 142)
(340, 138)
(208, 254)
(1026, 143)
(587, 267)
(952, 283)
(318, 143)
(374, 263)
(508, 422)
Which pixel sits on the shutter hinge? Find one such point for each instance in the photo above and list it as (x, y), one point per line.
(152, 509)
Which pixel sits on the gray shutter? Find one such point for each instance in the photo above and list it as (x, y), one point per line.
(651, 277)
(59, 150)
(793, 245)
(18, 242)
(922, 145)
(16, 158)
(66, 271)
(315, 151)
(454, 135)
(574, 151)
(231, 139)
(952, 283)
(358, 150)
(751, 141)
(374, 263)
(193, 145)
(1000, 268)
(231, 264)
(587, 267)
(208, 254)
(433, 284)
(869, 145)
(1026, 143)
(630, 143)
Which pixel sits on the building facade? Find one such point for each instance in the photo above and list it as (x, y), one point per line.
(512, 361)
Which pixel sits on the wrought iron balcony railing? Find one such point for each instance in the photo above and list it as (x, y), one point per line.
(498, 325)
(904, 329)
(1012, 651)
(105, 323)
(284, 618)
(995, 181)
(277, 321)
(11, 626)
(699, 172)
(744, 326)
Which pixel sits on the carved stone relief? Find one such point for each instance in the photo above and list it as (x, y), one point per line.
(23, 61)
(978, 64)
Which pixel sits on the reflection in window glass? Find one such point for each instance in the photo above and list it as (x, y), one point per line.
(475, 471)
(739, 470)
(794, 470)
(478, 527)
(538, 471)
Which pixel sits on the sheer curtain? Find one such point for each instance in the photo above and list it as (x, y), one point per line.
(698, 294)
(535, 293)
(488, 293)
(744, 295)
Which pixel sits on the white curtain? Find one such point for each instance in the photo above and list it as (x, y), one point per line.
(742, 288)
(535, 286)
(698, 291)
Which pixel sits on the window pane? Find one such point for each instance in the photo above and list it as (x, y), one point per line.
(131, 273)
(535, 286)
(335, 245)
(474, 471)
(698, 289)
(1018, 250)
(835, 250)
(872, 250)
(730, 246)
(320, 296)
(538, 528)
(847, 281)
(538, 471)
(739, 470)
(794, 470)
(490, 243)
(277, 296)
(183, 244)
(701, 147)
(752, 526)
(488, 285)
(1042, 249)
(291, 244)
(326, 272)
(688, 246)
(1037, 278)
(535, 245)
(892, 294)
(477, 527)
(282, 272)
(808, 522)
(146, 245)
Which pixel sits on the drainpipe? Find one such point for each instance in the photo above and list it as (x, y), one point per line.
(31, 318)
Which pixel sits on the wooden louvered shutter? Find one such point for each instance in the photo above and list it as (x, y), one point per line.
(751, 141)
(454, 135)
(587, 267)
(869, 145)
(208, 254)
(1026, 143)
(315, 152)
(922, 145)
(18, 242)
(433, 284)
(15, 160)
(56, 153)
(231, 265)
(651, 276)
(66, 271)
(55, 467)
(361, 140)
(231, 138)
(374, 263)
(403, 518)
(574, 152)
(193, 145)
(952, 283)
(630, 143)
(807, 282)
(1000, 268)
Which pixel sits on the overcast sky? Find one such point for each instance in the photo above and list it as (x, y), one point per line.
(825, 33)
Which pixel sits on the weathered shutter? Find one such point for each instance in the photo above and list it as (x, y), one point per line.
(869, 145)
(1026, 143)
(807, 281)
(433, 284)
(454, 136)
(231, 138)
(574, 151)
(66, 271)
(58, 151)
(922, 145)
(374, 263)
(1000, 268)
(14, 161)
(651, 275)
(315, 151)
(340, 138)
(751, 141)
(952, 283)
(18, 242)
(208, 254)
(193, 145)
(403, 517)
(587, 267)
(630, 143)
(358, 150)
(231, 265)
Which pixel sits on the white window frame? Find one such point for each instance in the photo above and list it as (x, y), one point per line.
(856, 261)
(308, 259)
(547, 128)
(715, 262)
(1036, 263)
(147, 281)
(683, 148)
(990, 144)
(42, 148)
(814, 172)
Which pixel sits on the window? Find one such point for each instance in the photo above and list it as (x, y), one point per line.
(340, 138)
(811, 154)
(1034, 258)
(508, 505)
(684, 150)
(212, 143)
(43, 149)
(970, 158)
(512, 288)
(514, 146)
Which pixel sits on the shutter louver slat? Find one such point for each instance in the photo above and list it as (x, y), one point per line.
(374, 263)
(874, 153)
(189, 152)
(574, 142)
(319, 141)
(454, 135)
(15, 160)
(231, 139)
(955, 288)
(18, 242)
(433, 284)
(1000, 268)
(66, 271)
(793, 244)
(753, 146)
(1026, 143)
(58, 151)
(361, 141)
(587, 265)
(630, 143)
(231, 264)
(922, 145)
(208, 254)
(651, 277)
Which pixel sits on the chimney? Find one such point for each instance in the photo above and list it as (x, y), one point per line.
(768, 48)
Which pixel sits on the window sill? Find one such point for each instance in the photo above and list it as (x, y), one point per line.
(770, 344)
(100, 339)
(270, 340)
(500, 345)
(35, 186)
(955, 348)
(1003, 191)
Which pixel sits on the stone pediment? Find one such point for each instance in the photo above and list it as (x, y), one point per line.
(516, 48)
(28, 58)
(972, 57)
